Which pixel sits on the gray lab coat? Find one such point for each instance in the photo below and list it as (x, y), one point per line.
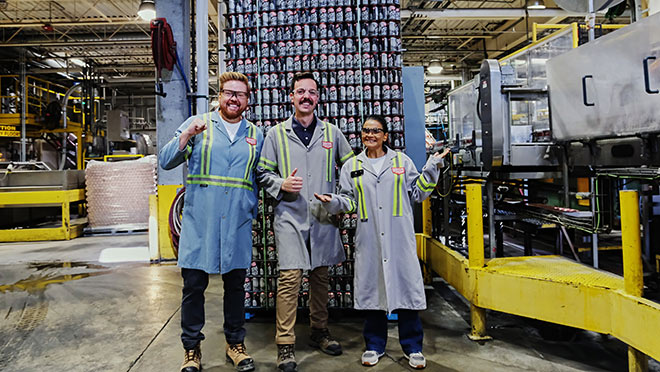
(300, 217)
(387, 271)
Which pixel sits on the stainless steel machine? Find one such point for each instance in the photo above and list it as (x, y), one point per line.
(605, 98)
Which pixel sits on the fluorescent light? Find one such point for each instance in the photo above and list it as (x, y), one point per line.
(536, 4)
(435, 67)
(147, 10)
(77, 61)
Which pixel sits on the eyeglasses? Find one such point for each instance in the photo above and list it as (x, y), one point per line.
(301, 92)
(372, 130)
(231, 93)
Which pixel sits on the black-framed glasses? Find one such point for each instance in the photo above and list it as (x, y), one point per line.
(301, 92)
(232, 93)
(372, 130)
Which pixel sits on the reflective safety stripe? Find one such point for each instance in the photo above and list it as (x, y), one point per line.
(346, 157)
(251, 159)
(188, 150)
(200, 179)
(397, 208)
(424, 185)
(362, 206)
(207, 143)
(351, 205)
(328, 152)
(265, 163)
(284, 150)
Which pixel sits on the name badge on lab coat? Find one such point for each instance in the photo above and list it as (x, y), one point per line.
(398, 170)
(327, 145)
(251, 141)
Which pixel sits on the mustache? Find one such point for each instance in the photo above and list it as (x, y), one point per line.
(306, 100)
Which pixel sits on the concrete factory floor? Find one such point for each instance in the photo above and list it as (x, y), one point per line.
(70, 306)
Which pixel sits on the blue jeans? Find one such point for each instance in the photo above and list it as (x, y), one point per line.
(192, 306)
(411, 334)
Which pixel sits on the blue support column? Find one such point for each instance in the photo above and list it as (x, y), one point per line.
(413, 111)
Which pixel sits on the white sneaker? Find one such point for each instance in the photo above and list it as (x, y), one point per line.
(370, 357)
(416, 360)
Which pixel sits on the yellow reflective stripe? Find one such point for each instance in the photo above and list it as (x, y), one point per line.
(188, 151)
(421, 186)
(248, 167)
(207, 143)
(346, 157)
(397, 209)
(214, 183)
(424, 185)
(221, 178)
(268, 161)
(328, 152)
(265, 166)
(284, 150)
(351, 204)
(360, 191)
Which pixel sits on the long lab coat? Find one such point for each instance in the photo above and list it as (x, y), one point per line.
(299, 216)
(221, 194)
(387, 272)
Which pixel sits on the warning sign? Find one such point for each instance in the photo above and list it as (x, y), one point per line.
(9, 131)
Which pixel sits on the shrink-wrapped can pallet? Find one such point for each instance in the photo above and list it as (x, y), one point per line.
(118, 193)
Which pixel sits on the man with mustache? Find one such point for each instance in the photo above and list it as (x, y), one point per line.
(298, 159)
(222, 149)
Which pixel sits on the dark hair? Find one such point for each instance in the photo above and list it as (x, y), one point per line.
(383, 125)
(301, 76)
(380, 120)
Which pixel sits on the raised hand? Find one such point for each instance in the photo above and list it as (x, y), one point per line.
(292, 183)
(196, 127)
(323, 198)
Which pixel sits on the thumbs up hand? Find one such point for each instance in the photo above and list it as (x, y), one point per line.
(292, 183)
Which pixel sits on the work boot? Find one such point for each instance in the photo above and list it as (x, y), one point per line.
(286, 358)
(237, 354)
(322, 340)
(192, 360)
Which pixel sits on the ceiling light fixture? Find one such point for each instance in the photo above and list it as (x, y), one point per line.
(535, 4)
(147, 10)
(435, 67)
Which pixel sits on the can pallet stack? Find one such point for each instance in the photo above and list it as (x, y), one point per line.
(354, 50)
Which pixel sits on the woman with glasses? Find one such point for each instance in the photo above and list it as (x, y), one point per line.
(379, 184)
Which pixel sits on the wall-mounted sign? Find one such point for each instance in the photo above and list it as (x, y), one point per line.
(9, 131)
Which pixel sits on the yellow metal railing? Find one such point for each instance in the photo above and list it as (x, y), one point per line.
(553, 288)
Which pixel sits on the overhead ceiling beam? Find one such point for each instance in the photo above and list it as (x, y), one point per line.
(33, 24)
(73, 43)
(485, 13)
(432, 37)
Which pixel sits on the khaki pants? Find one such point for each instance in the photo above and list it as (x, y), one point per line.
(287, 302)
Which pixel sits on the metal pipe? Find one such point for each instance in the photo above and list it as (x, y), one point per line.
(65, 101)
(44, 43)
(201, 47)
(486, 13)
(592, 21)
(594, 236)
(23, 106)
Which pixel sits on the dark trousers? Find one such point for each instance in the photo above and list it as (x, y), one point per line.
(192, 306)
(411, 334)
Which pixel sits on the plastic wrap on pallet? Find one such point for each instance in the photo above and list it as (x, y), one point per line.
(118, 192)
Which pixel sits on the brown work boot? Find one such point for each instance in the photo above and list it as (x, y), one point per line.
(322, 340)
(192, 360)
(286, 358)
(237, 354)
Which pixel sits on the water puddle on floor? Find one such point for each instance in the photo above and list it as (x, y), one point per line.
(48, 273)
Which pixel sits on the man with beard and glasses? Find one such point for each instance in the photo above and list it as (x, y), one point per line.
(222, 149)
(298, 160)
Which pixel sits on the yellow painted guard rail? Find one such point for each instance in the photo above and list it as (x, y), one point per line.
(552, 288)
